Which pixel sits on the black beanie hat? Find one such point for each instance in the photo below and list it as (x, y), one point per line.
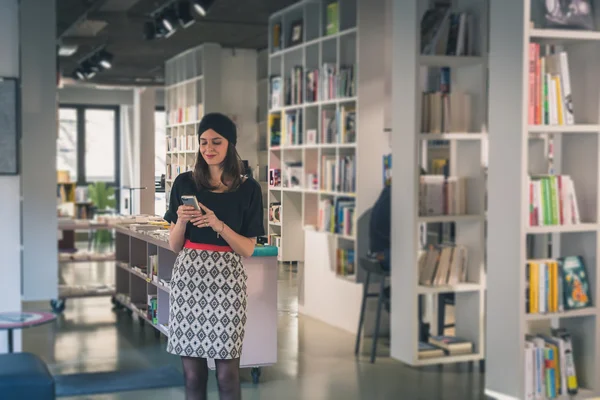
(219, 123)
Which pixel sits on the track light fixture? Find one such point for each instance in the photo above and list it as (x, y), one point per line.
(94, 63)
(202, 6)
(163, 21)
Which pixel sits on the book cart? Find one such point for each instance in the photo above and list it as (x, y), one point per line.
(143, 274)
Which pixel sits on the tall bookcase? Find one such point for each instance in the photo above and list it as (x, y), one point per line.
(192, 88)
(313, 107)
(522, 147)
(439, 93)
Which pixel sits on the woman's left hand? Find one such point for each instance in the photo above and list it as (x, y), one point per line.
(208, 219)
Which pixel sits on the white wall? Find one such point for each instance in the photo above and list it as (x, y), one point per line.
(10, 204)
(90, 95)
(71, 94)
(239, 98)
(39, 131)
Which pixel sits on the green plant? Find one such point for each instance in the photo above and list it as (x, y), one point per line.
(102, 196)
(104, 200)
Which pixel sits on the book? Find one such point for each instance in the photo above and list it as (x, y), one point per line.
(452, 345)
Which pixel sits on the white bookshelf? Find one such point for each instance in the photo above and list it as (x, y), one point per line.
(413, 146)
(192, 88)
(511, 239)
(300, 202)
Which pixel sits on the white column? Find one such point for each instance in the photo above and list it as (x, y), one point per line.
(144, 104)
(405, 51)
(10, 203)
(37, 29)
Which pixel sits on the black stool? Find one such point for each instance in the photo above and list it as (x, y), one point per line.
(372, 266)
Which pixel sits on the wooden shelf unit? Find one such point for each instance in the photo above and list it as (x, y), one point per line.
(517, 150)
(413, 143)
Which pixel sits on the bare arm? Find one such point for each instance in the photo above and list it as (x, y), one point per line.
(242, 245)
(176, 236)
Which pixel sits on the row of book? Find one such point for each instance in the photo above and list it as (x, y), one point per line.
(444, 31)
(291, 129)
(323, 83)
(550, 101)
(327, 83)
(550, 366)
(345, 262)
(182, 142)
(556, 285)
(552, 201)
(442, 195)
(338, 126)
(443, 265)
(175, 169)
(445, 112)
(336, 216)
(338, 174)
(185, 114)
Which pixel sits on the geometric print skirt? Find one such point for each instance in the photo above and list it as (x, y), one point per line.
(207, 307)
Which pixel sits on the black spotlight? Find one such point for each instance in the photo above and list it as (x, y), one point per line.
(184, 14)
(168, 20)
(104, 59)
(202, 6)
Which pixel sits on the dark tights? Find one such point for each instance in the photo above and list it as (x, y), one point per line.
(196, 377)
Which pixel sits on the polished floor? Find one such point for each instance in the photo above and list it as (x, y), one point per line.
(316, 361)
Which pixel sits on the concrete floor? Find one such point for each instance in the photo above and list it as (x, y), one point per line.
(316, 361)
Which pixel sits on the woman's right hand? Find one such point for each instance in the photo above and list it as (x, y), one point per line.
(186, 213)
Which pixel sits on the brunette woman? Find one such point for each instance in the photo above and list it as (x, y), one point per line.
(207, 311)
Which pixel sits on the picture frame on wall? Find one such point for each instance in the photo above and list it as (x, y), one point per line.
(9, 126)
(296, 34)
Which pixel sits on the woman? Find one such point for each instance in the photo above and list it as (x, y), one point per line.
(207, 311)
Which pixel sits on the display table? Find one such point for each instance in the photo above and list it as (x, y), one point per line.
(143, 272)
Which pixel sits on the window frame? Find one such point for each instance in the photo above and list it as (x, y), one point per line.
(80, 110)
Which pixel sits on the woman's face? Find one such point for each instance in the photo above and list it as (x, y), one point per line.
(213, 147)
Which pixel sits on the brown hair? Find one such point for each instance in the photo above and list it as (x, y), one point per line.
(232, 170)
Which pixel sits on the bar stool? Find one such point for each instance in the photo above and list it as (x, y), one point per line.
(372, 266)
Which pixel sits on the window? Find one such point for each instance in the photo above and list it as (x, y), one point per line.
(88, 144)
(66, 144)
(100, 146)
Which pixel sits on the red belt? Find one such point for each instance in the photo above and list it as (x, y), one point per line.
(204, 246)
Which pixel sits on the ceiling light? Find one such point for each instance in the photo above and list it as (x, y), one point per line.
(66, 51)
(169, 20)
(202, 6)
(105, 59)
(183, 13)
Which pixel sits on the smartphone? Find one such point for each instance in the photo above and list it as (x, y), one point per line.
(189, 200)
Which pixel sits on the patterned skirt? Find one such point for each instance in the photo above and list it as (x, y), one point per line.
(207, 308)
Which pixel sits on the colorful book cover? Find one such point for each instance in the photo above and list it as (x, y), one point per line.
(575, 283)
